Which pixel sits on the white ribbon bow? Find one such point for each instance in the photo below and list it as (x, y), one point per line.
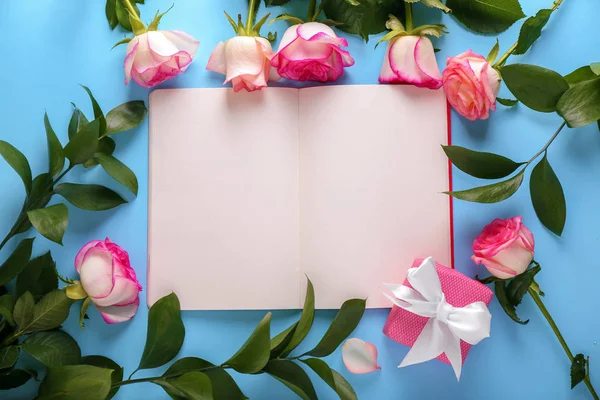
(447, 325)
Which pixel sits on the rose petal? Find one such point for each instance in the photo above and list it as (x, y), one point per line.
(80, 256)
(244, 57)
(116, 314)
(96, 273)
(217, 61)
(359, 357)
(124, 292)
(182, 41)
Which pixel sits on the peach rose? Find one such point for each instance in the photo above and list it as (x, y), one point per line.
(108, 279)
(504, 247)
(411, 60)
(311, 52)
(471, 85)
(245, 61)
(156, 56)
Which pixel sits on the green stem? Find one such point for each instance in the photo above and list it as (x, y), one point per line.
(512, 48)
(170, 376)
(538, 301)
(251, 16)
(130, 8)
(409, 16)
(312, 8)
(548, 144)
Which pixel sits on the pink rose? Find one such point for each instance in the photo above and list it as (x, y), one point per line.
(108, 279)
(311, 52)
(157, 56)
(471, 85)
(505, 248)
(411, 60)
(245, 61)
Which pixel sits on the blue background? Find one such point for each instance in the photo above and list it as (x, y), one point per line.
(48, 47)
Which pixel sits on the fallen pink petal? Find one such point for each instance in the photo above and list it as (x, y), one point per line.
(360, 357)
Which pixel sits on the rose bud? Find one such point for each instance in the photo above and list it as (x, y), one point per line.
(504, 247)
(471, 85)
(311, 52)
(108, 279)
(157, 56)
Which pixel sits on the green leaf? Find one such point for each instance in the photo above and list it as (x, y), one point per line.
(89, 197)
(119, 171)
(41, 190)
(111, 13)
(107, 363)
(23, 312)
(76, 382)
(83, 146)
(8, 356)
(223, 385)
(190, 386)
(509, 309)
(16, 262)
(538, 88)
(336, 381)
(53, 348)
(367, 18)
(56, 155)
(292, 376)
(486, 16)
(517, 287)
(578, 370)
(125, 117)
(581, 75)
(479, 164)
(532, 30)
(74, 122)
(38, 277)
(123, 14)
(14, 378)
(547, 197)
(507, 102)
(254, 354)
(51, 222)
(105, 146)
(493, 193)
(7, 304)
(84, 307)
(270, 3)
(494, 53)
(289, 18)
(343, 325)
(122, 41)
(280, 342)
(580, 105)
(306, 319)
(165, 333)
(49, 313)
(98, 114)
(18, 162)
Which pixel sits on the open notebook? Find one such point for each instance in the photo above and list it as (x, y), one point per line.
(250, 192)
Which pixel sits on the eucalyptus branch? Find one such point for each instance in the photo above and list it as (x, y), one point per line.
(548, 144)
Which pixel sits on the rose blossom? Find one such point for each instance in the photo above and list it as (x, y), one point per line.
(156, 56)
(471, 85)
(108, 279)
(504, 247)
(411, 60)
(245, 61)
(311, 52)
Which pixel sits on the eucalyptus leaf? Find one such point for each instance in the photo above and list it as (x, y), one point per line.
(509, 309)
(89, 197)
(123, 14)
(336, 381)
(51, 311)
(280, 342)
(254, 354)
(107, 363)
(548, 197)
(76, 382)
(532, 30)
(486, 16)
(111, 13)
(38, 277)
(494, 193)
(98, 114)
(83, 145)
(7, 304)
(306, 319)
(53, 349)
(581, 75)
(292, 376)
(538, 88)
(107, 146)
(165, 333)
(23, 311)
(189, 386)
(51, 222)
(125, 117)
(344, 323)
(119, 171)
(578, 370)
(8, 356)
(507, 102)
(479, 164)
(517, 287)
(18, 162)
(270, 3)
(580, 105)
(56, 155)
(74, 121)
(16, 262)
(14, 378)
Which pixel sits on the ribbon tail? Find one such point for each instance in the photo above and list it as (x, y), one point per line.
(428, 345)
(454, 353)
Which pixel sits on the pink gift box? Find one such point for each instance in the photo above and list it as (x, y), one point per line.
(404, 327)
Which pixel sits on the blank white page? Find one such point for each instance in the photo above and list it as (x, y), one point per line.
(371, 176)
(223, 201)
